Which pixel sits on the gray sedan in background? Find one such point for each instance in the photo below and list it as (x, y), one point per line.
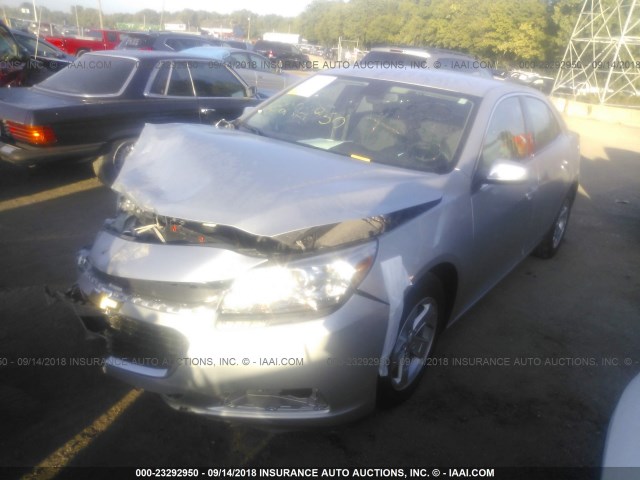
(296, 267)
(255, 69)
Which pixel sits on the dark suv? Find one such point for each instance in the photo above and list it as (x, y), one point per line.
(283, 55)
(431, 58)
(166, 41)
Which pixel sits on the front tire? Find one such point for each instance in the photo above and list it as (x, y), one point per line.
(107, 166)
(421, 321)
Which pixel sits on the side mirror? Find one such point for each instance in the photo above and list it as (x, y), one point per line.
(252, 91)
(507, 172)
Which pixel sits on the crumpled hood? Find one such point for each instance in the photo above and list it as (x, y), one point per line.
(259, 185)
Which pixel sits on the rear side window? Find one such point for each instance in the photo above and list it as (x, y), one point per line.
(178, 44)
(506, 137)
(202, 79)
(542, 123)
(135, 41)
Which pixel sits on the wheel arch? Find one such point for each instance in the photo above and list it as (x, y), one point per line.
(573, 190)
(447, 274)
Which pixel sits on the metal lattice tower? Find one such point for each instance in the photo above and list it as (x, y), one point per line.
(603, 55)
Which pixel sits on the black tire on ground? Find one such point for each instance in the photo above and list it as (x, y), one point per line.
(421, 321)
(552, 240)
(107, 166)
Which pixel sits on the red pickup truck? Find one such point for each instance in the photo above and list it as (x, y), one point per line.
(91, 40)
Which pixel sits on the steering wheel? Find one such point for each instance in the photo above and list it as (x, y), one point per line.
(427, 156)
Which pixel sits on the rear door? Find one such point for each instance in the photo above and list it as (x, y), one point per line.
(172, 91)
(551, 147)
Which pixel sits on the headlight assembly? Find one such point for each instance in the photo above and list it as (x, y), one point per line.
(310, 285)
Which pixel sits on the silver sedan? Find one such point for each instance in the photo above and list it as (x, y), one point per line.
(295, 267)
(255, 69)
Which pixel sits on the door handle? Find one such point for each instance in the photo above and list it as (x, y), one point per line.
(206, 111)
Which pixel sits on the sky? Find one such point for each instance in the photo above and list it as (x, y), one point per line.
(286, 8)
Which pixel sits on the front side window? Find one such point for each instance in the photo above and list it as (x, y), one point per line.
(212, 79)
(378, 121)
(506, 137)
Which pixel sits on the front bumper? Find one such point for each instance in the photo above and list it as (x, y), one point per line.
(305, 372)
(29, 155)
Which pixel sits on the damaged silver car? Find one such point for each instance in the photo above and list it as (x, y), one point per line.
(296, 267)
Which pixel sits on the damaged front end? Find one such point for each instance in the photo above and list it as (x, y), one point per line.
(162, 291)
(136, 224)
(201, 290)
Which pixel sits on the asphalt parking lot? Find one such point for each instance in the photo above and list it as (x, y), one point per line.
(528, 378)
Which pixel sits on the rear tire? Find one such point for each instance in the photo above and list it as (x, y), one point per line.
(107, 166)
(420, 324)
(552, 240)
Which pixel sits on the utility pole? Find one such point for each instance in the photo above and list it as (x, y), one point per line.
(78, 32)
(100, 14)
(603, 52)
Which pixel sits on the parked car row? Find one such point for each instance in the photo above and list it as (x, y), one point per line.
(96, 110)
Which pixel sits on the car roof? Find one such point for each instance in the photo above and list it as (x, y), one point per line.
(421, 52)
(165, 34)
(440, 79)
(212, 51)
(144, 54)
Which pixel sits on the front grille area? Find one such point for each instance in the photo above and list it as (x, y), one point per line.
(187, 294)
(144, 344)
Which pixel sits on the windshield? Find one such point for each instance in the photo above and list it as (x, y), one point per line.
(369, 120)
(92, 75)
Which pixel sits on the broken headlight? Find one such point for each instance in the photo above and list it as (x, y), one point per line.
(310, 285)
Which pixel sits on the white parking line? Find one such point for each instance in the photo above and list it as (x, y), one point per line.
(57, 192)
(48, 468)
